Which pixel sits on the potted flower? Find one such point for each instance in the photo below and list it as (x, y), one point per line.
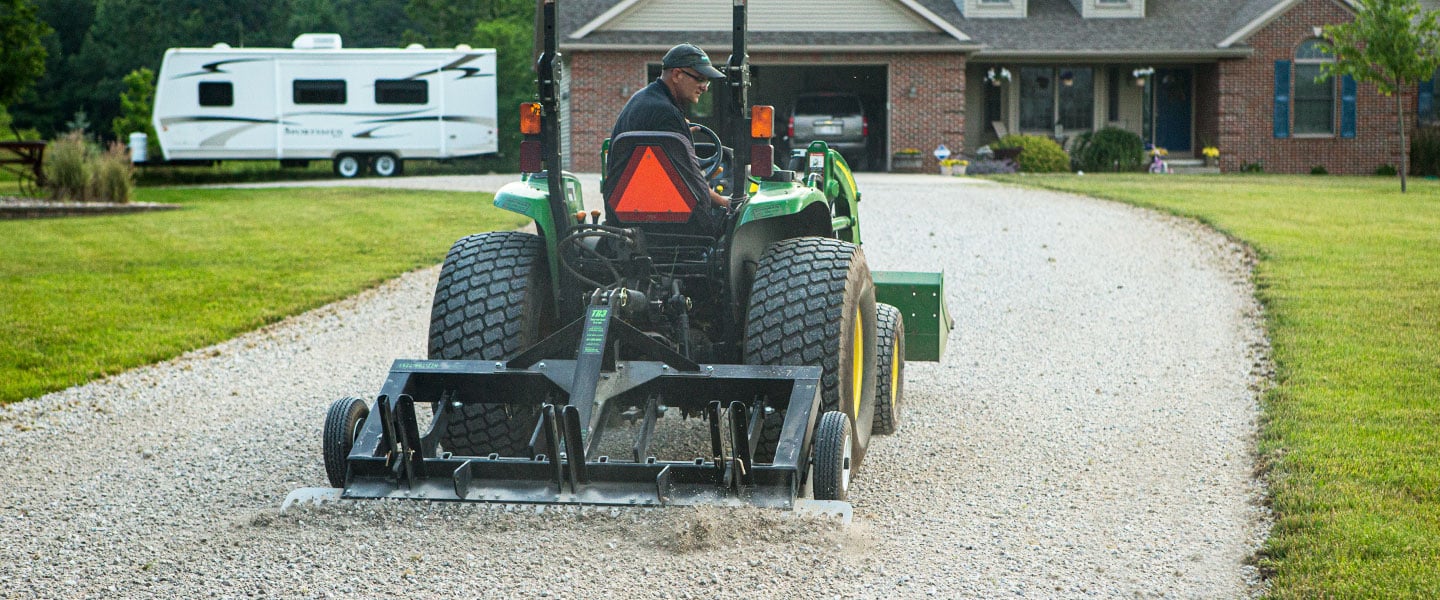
(953, 166)
(907, 160)
(1157, 160)
(1142, 75)
(997, 78)
(1212, 155)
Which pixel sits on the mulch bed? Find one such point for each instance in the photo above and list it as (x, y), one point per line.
(38, 208)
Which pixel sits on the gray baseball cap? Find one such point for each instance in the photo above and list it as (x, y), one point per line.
(690, 55)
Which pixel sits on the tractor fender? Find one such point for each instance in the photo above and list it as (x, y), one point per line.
(531, 197)
(753, 235)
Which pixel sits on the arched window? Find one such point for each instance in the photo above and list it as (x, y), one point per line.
(1314, 102)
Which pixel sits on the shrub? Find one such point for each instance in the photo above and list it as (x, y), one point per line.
(1111, 150)
(1386, 170)
(1254, 167)
(1425, 151)
(68, 167)
(1039, 154)
(114, 176)
(985, 166)
(76, 171)
(1318, 170)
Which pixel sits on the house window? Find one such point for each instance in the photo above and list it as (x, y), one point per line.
(1051, 96)
(402, 91)
(1314, 102)
(217, 93)
(319, 91)
(1425, 101)
(1112, 95)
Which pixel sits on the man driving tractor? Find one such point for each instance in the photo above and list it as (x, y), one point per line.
(685, 75)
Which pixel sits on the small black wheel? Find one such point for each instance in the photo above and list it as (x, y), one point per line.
(348, 166)
(386, 165)
(889, 368)
(342, 426)
(832, 454)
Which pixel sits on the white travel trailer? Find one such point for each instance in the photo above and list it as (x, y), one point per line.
(362, 108)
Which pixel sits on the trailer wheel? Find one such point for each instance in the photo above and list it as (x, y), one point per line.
(386, 165)
(493, 300)
(342, 426)
(813, 303)
(889, 368)
(348, 166)
(832, 453)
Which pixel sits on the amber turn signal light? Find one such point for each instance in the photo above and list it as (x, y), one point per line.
(530, 118)
(762, 121)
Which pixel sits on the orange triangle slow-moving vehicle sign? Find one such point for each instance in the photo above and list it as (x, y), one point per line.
(651, 191)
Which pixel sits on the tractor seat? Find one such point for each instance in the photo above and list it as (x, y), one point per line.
(653, 182)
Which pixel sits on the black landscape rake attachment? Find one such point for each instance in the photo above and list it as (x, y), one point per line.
(575, 399)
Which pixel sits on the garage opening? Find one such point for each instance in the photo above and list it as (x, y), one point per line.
(781, 85)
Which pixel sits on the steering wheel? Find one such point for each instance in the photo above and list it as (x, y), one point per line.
(711, 164)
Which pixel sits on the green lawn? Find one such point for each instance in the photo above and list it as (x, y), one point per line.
(85, 297)
(1350, 278)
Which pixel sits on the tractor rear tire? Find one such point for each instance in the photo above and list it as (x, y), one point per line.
(342, 426)
(889, 368)
(833, 452)
(813, 303)
(493, 300)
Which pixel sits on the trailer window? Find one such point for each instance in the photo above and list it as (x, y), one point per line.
(319, 91)
(402, 91)
(217, 93)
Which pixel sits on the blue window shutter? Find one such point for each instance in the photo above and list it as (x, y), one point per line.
(1347, 106)
(1425, 104)
(1282, 98)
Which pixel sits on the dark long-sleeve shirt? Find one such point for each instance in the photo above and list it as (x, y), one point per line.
(652, 108)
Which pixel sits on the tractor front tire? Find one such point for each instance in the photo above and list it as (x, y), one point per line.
(813, 303)
(889, 368)
(493, 300)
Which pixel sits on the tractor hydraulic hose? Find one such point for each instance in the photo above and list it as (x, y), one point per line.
(576, 239)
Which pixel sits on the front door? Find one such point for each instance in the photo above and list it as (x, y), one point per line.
(1174, 99)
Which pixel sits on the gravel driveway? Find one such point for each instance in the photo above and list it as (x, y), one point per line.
(1089, 434)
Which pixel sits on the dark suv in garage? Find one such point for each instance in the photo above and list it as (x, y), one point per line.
(837, 119)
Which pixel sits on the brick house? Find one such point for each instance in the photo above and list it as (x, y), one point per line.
(1235, 74)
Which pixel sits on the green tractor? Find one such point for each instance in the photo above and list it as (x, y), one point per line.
(764, 323)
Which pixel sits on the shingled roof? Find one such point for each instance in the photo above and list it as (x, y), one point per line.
(1170, 28)
(576, 15)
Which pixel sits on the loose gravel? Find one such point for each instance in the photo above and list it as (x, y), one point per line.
(1088, 434)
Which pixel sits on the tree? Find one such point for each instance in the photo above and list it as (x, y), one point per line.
(513, 41)
(360, 23)
(1392, 44)
(446, 23)
(137, 102)
(21, 45)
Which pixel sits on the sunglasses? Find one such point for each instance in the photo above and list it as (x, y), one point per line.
(698, 79)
